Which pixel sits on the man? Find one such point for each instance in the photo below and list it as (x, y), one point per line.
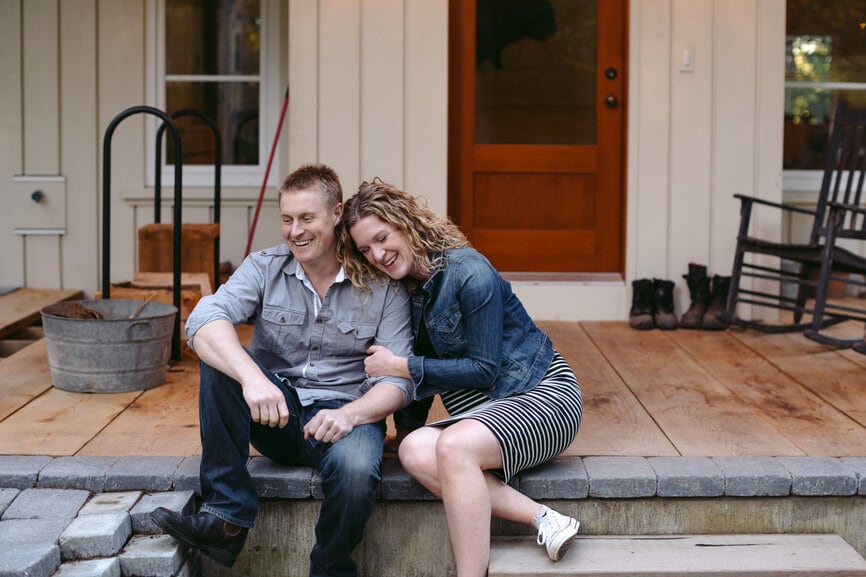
(300, 394)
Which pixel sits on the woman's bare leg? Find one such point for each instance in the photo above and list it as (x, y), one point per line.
(453, 463)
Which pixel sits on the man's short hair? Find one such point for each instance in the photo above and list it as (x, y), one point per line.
(315, 177)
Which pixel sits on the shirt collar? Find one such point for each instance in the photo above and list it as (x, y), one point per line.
(296, 269)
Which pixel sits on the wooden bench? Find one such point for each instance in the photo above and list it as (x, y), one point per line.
(680, 555)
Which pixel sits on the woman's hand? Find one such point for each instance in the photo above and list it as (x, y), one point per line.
(380, 361)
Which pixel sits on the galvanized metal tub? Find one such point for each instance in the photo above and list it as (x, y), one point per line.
(111, 354)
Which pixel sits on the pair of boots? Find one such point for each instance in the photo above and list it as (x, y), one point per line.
(652, 305)
(709, 300)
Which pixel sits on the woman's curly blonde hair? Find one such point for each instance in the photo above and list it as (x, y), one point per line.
(428, 235)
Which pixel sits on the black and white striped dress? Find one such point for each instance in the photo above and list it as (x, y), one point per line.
(531, 427)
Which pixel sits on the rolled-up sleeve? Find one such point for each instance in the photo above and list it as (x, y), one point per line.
(395, 333)
(235, 301)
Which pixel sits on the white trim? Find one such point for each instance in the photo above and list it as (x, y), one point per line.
(36, 178)
(40, 231)
(213, 78)
(828, 85)
(801, 182)
(270, 101)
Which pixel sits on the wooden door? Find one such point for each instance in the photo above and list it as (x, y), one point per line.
(536, 132)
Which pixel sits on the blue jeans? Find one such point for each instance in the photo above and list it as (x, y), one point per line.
(350, 468)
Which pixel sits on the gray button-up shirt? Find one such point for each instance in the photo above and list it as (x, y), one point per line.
(318, 348)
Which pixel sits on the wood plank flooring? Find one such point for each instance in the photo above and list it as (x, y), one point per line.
(646, 393)
(21, 307)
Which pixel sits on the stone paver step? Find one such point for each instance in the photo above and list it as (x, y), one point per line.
(71, 533)
(681, 556)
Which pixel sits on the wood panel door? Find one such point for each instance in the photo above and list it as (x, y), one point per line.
(536, 154)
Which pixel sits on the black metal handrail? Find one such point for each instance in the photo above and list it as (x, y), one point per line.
(106, 210)
(157, 209)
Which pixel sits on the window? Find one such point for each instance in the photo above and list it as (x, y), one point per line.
(825, 62)
(212, 57)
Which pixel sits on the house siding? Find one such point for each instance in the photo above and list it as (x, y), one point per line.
(368, 82)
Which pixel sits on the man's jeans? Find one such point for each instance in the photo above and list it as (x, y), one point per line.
(349, 468)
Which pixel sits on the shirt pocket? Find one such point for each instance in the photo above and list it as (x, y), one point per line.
(281, 329)
(354, 337)
(446, 332)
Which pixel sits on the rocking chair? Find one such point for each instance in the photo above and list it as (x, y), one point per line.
(806, 270)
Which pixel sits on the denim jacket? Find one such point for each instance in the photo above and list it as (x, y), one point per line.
(480, 336)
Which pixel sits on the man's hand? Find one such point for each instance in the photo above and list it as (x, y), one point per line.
(329, 426)
(266, 402)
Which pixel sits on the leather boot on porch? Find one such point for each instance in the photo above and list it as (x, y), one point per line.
(699, 291)
(641, 315)
(714, 319)
(663, 305)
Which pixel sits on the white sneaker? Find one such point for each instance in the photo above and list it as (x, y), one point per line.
(556, 532)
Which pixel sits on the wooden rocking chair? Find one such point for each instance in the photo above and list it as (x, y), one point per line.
(809, 268)
(846, 221)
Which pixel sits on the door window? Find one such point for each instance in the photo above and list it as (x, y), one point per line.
(536, 64)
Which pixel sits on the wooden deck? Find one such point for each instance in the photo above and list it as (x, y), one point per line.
(646, 393)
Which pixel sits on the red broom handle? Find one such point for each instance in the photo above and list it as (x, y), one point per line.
(267, 173)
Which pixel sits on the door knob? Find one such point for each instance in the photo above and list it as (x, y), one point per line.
(610, 72)
(610, 101)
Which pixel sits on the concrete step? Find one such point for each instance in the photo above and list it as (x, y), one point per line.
(682, 555)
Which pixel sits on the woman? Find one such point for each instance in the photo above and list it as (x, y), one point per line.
(514, 402)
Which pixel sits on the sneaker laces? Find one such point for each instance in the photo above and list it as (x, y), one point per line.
(549, 524)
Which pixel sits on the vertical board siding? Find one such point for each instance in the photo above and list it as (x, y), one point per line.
(339, 88)
(236, 222)
(42, 260)
(769, 100)
(120, 37)
(735, 122)
(734, 154)
(368, 85)
(302, 122)
(692, 137)
(769, 125)
(382, 81)
(696, 138)
(11, 154)
(234, 225)
(41, 253)
(650, 59)
(425, 146)
(79, 142)
(41, 91)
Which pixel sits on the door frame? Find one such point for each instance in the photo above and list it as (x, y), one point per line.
(458, 109)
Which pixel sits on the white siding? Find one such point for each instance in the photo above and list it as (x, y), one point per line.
(382, 92)
(79, 142)
(698, 137)
(426, 109)
(649, 138)
(368, 84)
(11, 153)
(40, 84)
